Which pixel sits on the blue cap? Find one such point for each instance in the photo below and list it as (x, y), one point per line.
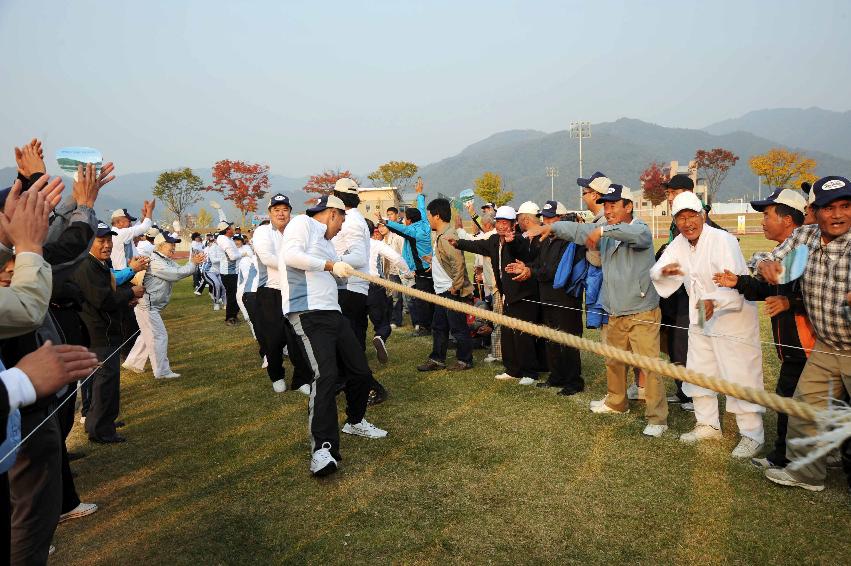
(828, 189)
(239, 237)
(171, 238)
(104, 230)
(279, 198)
(326, 201)
(615, 193)
(550, 209)
(586, 182)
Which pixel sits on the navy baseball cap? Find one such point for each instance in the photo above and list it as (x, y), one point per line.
(615, 193)
(488, 205)
(279, 199)
(239, 237)
(104, 230)
(828, 189)
(171, 238)
(326, 201)
(586, 182)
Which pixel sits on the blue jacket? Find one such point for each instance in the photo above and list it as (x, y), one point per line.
(419, 232)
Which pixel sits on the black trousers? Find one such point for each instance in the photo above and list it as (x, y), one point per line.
(106, 395)
(379, 306)
(333, 350)
(129, 326)
(35, 483)
(230, 283)
(274, 332)
(677, 315)
(398, 301)
(354, 307)
(564, 362)
(787, 381)
(519, 349)
(249, 299)
(422, 312)
(444, 322)
(197, 280)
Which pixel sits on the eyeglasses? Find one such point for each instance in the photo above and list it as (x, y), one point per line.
(586, 193)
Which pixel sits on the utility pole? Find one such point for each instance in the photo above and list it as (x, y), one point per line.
(579, 130)
(552, 173)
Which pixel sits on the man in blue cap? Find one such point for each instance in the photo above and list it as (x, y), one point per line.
(825, 284)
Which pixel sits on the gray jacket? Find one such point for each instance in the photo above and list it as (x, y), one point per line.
(627, 255)
(160, 277)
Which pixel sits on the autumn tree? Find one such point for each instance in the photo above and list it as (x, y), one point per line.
(653, 181)
(241, 183)
(489, 188)
(714, 165)
(783, 168)
(323, 183)
(204, 220)
(179, 189)
(394, 174)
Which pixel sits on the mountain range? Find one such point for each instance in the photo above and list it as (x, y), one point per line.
(622, 149)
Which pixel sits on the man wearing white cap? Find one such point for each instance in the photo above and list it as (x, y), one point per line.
(228, 269)
(782, 212)
(626, 251)
(352, 245)
(723, 337)
(309, 299)
(125, 232)
(146, 246)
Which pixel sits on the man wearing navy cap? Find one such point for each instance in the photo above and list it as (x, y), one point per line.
(825, 284)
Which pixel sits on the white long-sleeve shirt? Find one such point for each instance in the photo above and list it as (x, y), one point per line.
(145, 248)
(379, 251)
(248, 280)
(122, 243)
(305, 285)
(352, 246)
(267, 243)
(232, 255)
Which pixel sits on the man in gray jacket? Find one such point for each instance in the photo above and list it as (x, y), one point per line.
(626, 251)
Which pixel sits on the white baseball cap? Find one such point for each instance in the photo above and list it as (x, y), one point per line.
(346, 185)
(686, 201)
(529, 207)
(505, 213)
(600, 184)
(788, 197)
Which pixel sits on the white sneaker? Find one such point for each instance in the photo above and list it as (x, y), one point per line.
(782, 477)
(505, 377)
(304, 389)
(701, 432)
(80, 510)
(132, 368)
(763, 463)
(747, 448)
(527, 381)
(217, 307)
(265, 363)
(279, 386)
(393, 326)
(197, 293)
(365, 429)
(687, 407)
(170, 375)
(600, 408)
(654, 430)
(322, 463)
(490, 358)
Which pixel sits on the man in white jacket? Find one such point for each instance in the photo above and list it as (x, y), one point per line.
(723, 338)
(125, 232)
(309, 299)
(383, 260)
(228, 269)
(160, 277)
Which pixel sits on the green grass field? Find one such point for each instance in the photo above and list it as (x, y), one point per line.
(474, 470)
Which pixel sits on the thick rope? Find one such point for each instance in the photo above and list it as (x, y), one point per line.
(657, 365)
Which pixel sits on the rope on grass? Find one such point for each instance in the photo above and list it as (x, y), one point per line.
(834, 424)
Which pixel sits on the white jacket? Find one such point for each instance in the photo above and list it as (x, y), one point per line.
(160, 277)
(352, 246)
(266, 242)
(305, 285)
(122, 243)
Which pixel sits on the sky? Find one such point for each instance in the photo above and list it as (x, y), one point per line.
(305, 86)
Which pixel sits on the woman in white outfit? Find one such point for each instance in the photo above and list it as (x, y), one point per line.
(723, 336)
(160, 277)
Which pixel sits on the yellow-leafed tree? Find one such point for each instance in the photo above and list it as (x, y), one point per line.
(783, 168)
(489, 188)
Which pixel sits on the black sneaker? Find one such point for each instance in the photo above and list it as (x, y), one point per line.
(567, 391)
(380, 349)
(421, 332)
(546, 384)
(376, 396)
(460, 366)
(431, 365)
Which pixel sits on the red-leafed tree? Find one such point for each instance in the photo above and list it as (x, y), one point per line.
(714, 165)
(241, 183)
(653, 181)
(323, 183)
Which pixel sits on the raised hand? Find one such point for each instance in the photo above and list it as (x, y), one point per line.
(138, 263)
(199, 258)
(148, 209)
(27, 229)
(86, 185)
(419, 187)
(726, 279)
(30, 159)
(51, 367)
(470, 210)
(105, 175)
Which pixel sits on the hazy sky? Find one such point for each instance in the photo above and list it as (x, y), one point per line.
(309, 85)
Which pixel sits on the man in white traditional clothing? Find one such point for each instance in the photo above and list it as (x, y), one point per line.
(723, 337)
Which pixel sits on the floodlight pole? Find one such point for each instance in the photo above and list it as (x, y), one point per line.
(552, 173)
(580, 129)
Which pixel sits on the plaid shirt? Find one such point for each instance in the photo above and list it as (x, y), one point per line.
(825, 281)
